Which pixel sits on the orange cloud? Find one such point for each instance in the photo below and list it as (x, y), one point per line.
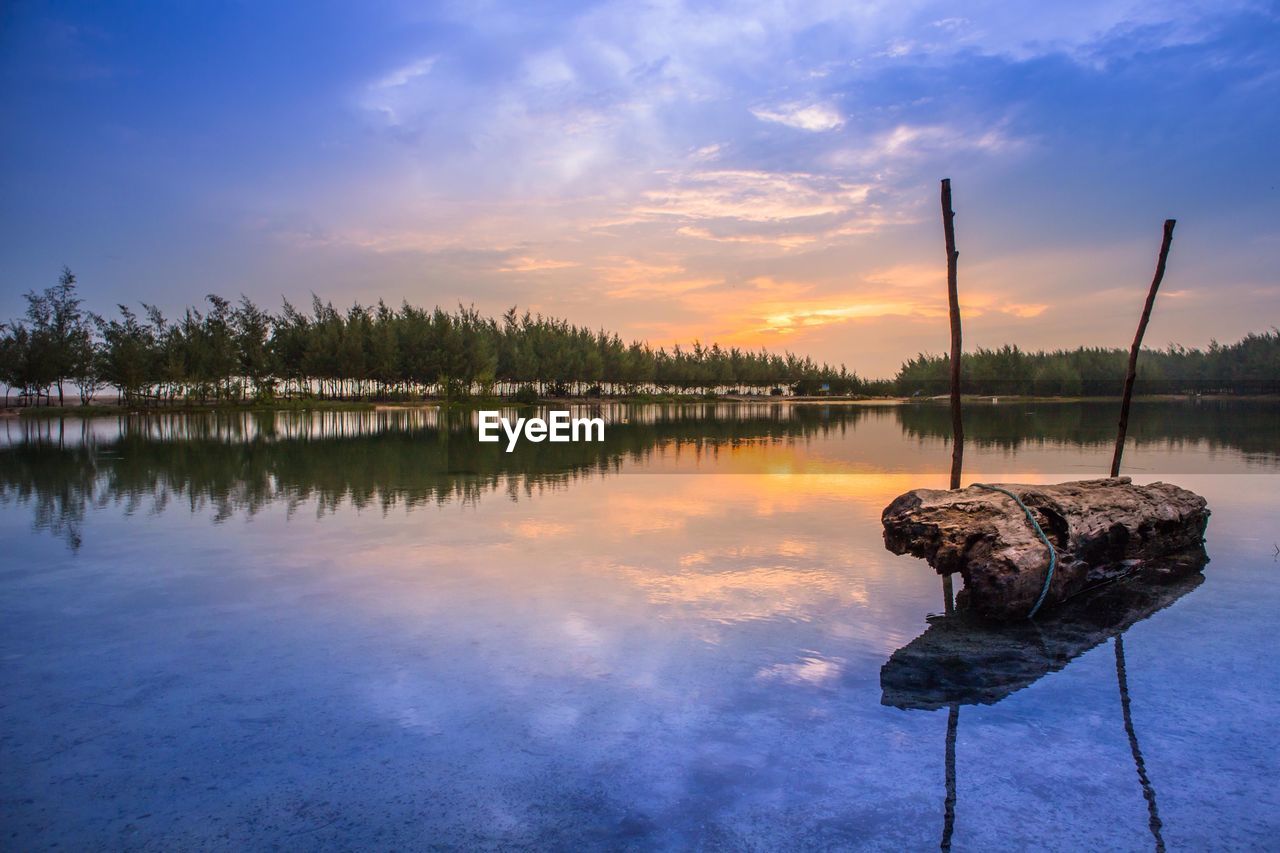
(533, 264)
(628, 278)
(784, 241)
(751, 196)
(1024, 310)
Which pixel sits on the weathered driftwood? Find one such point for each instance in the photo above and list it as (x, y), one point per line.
(963, 661)
(957, 346)
(1102, 530)
(1131, 374)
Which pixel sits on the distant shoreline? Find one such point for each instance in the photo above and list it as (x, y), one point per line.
(110, 409)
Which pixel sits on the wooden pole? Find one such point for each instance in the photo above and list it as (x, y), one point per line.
(953, 299)
(1132, 372)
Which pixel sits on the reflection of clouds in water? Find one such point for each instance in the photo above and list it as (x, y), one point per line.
(554, 721)
(580, 630)
(782, 548)
(573, 581)
(794, 548)
(411, 701)
(532, 528)
(812, 670)
(636, 512)
(586, 647)
(680, 499)
(746, 594)
(770, 569)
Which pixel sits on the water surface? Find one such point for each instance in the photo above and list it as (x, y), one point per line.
(356, 630)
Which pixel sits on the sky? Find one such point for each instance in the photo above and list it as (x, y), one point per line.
(752, 173)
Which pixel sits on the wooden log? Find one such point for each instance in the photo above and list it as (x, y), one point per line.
(963, 661)
(1101, 530)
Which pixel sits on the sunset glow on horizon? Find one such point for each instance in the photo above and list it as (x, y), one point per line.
(754, 174)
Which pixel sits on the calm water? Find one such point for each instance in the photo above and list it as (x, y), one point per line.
(365, 630)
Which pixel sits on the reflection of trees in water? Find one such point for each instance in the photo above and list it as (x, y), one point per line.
(1249, 426)
(244, 462)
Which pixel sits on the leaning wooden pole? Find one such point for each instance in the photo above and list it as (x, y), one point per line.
(1132, 373)
(953, 299)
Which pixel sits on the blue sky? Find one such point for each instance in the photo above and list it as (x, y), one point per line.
(753, 173)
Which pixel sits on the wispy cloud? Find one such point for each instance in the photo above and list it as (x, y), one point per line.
(527, 263)
(813, 117)
(405, 73)
(628, 278)
(752, 196)
(781, 240)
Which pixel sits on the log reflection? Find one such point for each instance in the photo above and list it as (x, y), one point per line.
(958, 660)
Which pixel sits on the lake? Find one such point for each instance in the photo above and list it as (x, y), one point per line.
(365, 630)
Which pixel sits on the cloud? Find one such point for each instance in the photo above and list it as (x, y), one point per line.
(931, 278)
(784, 241)
(528, 263)
(391, 95)
(406, 73)
(628, 278)
(792, 319)
(752, 196)
(900, 145)
(1024, 309)
(708, 152)
(814, 117)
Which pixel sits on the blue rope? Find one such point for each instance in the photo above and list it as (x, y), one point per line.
(1053, 555)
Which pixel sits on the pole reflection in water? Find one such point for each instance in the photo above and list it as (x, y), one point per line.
(959, 661)
(949, 804)
(1148, 791)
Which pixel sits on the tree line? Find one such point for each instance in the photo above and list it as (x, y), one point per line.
(228, 351)
(1249, 366)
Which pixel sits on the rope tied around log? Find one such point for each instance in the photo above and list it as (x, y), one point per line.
(1053, 554)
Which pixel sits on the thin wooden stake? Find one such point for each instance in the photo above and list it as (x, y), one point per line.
(1132, 372)
(953, 299)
